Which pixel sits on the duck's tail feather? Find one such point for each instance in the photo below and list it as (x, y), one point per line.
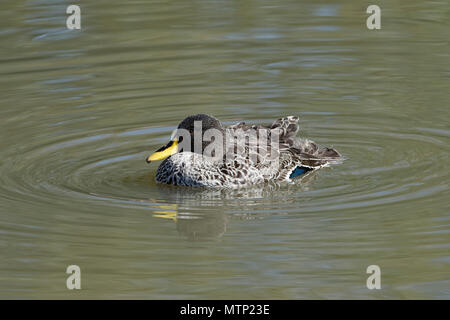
(311, 155)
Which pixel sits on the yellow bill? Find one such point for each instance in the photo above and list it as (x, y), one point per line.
(164, 152)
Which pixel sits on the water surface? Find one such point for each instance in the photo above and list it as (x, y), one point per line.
(80, 110)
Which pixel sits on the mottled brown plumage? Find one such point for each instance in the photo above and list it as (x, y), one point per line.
(248, 162)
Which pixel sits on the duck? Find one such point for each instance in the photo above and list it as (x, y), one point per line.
(204, 153)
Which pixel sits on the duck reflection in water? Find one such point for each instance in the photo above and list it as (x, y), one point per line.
(195, 225)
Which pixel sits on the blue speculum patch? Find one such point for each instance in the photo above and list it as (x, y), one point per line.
(298, 171)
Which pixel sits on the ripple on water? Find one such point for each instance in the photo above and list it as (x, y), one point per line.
(108, 169)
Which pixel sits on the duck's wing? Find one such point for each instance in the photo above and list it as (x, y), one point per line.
(296, 162)
(297, 156)
(304, 151)
(286, 128)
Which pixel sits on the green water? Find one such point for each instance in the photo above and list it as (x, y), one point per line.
(80, 111)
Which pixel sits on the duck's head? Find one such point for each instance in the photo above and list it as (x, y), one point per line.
(192, 134)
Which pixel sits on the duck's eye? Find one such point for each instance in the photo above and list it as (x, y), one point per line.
(180, 139)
